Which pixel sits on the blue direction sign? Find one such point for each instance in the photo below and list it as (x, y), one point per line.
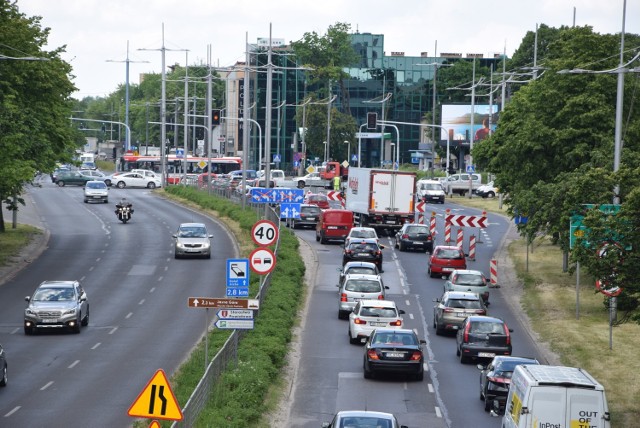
(263, 195)
(236, 314)
(237, 277)
(290, 195)
(288, 210)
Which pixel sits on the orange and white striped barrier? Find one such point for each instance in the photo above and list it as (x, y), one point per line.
(472, 247)
(460, 239)
(447, 228)
(432, 224)
(493, 269)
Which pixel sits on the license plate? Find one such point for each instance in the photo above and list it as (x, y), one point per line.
(447, 269)
(310, 218)
(190, 250)
(461, 314)
(332, 227)
(486, 354)
(390, 222)
(97, 197)
(49, 321)
(363, 254)
(378, 324)
(394, 354)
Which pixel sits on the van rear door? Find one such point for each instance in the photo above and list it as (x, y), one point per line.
(564, 407)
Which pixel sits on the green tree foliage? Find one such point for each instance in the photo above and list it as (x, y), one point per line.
(34, 103)
(553, 149)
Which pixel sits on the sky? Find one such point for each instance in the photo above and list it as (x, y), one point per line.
(96, 32)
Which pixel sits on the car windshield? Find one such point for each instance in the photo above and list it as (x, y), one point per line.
(100, 185)
(363, 286)
(363, 246)
(486, 328)
(362, 270)
(449, 254)
(53, 295)
(310, 210)
(363, 234)
(365, 422)
(430, 186)
(382, 312)
(417, 230)
(507, 367)
(468, 279)
(395, 339)
(192, 232)
(464, 304)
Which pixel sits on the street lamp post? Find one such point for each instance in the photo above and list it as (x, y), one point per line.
(348, 151)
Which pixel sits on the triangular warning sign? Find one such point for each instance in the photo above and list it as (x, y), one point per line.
(154, 424)
(157, 400)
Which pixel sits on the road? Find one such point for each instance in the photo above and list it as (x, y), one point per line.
(138, 292)
(330, 378)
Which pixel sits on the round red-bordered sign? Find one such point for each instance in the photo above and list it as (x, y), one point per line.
(603, 285)
(264, 233)
(262, 261)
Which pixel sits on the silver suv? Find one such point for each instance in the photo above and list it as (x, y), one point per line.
(57, 304)
(357, 287)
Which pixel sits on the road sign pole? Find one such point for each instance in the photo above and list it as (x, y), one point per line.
(206, 338)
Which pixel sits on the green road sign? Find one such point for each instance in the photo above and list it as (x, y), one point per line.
(578, 230)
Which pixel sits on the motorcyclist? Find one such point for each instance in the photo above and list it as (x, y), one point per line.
(124, 203)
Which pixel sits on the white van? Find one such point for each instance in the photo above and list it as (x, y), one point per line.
(555, 397)
(430, 190)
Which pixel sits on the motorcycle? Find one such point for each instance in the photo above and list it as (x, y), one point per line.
(124, 213)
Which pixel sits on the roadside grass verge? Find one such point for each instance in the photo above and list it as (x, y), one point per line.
(14, 240)
(247, 392)
(549, 299)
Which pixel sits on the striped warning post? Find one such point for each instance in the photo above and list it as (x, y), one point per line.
(460, 239)
(447, 228)
(484, 214)
(472, 247)
(493, 268)
(420, 218)
(432, 224)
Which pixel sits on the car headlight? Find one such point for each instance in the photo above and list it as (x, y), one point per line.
(29, 311)
(69, 312)
(179, 245)
(206, 244)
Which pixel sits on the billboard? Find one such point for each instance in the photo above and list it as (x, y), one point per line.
(456, 120)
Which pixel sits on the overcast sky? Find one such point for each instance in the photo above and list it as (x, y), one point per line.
(96, 31)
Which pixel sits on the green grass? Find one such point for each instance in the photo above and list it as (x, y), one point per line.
(13, 240)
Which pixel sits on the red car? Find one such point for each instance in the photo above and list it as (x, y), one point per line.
(317, 199)
(445, 259)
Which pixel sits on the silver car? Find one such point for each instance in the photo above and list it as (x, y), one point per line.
(96, 191)
(57, 304)
(358, 287)
(472, 281)
(192, 240)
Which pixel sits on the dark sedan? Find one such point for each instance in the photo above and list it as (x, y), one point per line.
(394, 351)
(495, 379)
(309, 215)
(483, 337)
(363, 250)
(3, 367)
(414, 236)
(72, 178)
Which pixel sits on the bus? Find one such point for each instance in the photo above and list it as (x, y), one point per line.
(175, 165)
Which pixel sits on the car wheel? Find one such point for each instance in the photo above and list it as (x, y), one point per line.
(463, 359)
(401, 246)
(322, 239)
(491, 195)
(368, 374)
(60, 183)
(121, 185)
(420, 376)
(208, 256)
(487, 404)
(151, 185)
(85, 320)
(28, 331)
(353, 340)
(106, 201)
(176, 255)
(430, 273)
(342, 315)
(76, 328)
(300, 184)
(86, 201)
(395, 243)
(317, 237)
(457, 351)
(107, 182)
(4, 379)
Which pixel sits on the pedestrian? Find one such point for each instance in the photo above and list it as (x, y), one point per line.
(336, 183)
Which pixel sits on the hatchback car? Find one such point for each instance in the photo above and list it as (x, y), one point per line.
(472, 281)
(487, 190)
(495, 379)
(358, 287)
(309, 216)
(371, 314)
(363, 418)
(445, 259)
(317, 199)
(364, 268)
(411, 236)
(483, 337)
(192, 240)
(56, 304)
(364, 250)
(3, 367)
(73, 178)
(361, 233)
(453, 307)
(94, 174)
(393, 351)
(96, 191)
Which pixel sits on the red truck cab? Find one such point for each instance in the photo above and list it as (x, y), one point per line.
(332, 169)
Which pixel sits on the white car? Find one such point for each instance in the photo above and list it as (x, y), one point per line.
(135, 179)
(487, 190)
(96, 191)
(312, 179)
(371, 314)
(361, 233)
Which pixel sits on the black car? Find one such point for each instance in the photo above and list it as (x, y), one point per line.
(3, 367)
(309, 215)
(363, 250)
(495, 379)
(412, 236)
(394, 351)
(483, 337)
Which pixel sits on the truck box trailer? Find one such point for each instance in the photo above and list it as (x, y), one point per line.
(380, 198)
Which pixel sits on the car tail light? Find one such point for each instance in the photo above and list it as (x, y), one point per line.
(506, 332)
(448, 310)
(343, 297)
(405, 236)
(372, 354)
(485, 295)
(466, 332)
(397, 323)
(347, 252)
(416, 356)
(496, 379)
(380, 297)
(378, 252)
(359, 321)
(481, 311)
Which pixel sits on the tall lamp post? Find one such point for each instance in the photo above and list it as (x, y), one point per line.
(348, 151)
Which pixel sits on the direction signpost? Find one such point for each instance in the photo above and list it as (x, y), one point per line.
(237, 278)
(212, 302)
(235, 324)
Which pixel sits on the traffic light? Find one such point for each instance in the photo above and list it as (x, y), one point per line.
(215, 117)
(372, 120)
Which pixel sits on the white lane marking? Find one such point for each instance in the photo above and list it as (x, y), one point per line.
(411, 316)
(160, 278)
(96, 345)
(407, 302)
(152, 289)
(141, 302)
(430, 388)
(14, 331)
(128, 315)
(46, 386)
(72, 365)
(113, 330)
(438, 414)
(15, 409)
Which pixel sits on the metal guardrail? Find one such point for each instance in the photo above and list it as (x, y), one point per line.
(228, 353)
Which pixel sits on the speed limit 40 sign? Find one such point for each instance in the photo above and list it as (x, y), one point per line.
(264, 233)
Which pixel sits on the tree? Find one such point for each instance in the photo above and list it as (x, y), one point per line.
(34, 104)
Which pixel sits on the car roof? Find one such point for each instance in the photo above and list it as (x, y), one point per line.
(362, 276)
(192, 225)
(357, 413)
(384, 303)
(467, 272)
(484, 318)
(446, 247)
(363, 240)
(461, 295)
(96, 181)
(359, 264)
(362, 228)
(501, 358)
(394, 330)
(58, 284)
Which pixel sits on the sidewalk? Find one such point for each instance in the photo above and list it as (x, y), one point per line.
(27, 214)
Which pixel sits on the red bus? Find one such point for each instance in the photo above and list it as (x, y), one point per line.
(175, 165)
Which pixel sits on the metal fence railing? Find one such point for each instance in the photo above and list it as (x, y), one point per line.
(228, 353)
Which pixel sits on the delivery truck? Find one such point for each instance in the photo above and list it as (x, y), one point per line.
(380, 198)
(556, 397)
